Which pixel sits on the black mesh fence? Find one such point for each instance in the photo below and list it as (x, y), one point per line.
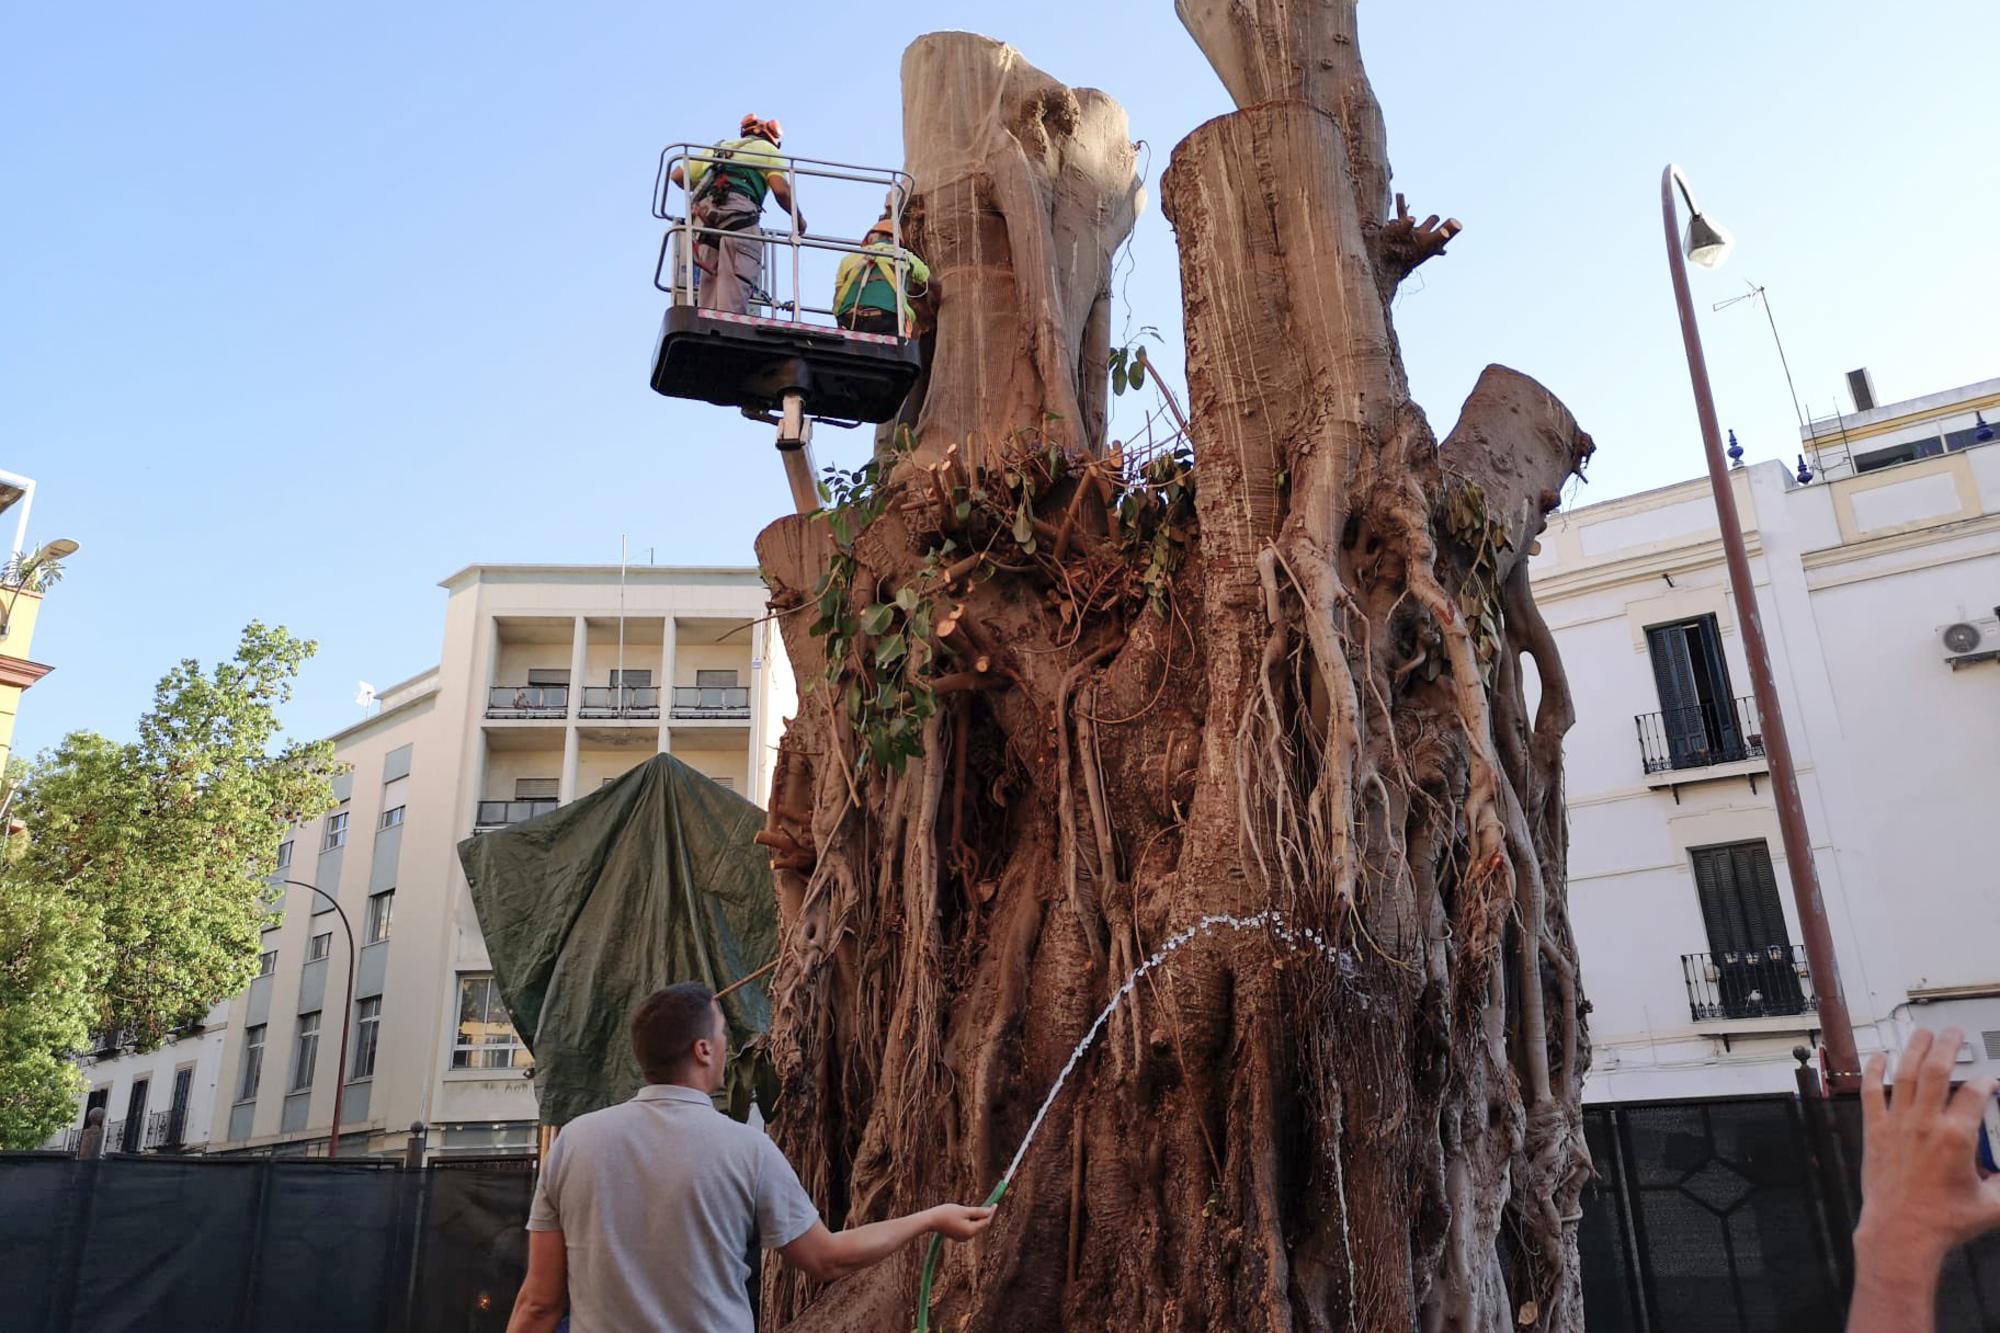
(1734, 1216)
(244, 1245)
(1728, 1216)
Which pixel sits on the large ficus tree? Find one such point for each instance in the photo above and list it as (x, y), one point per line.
(1064, 703)
(136, 886)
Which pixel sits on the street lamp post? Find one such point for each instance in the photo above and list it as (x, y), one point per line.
(346, 1013)
(1707, 244)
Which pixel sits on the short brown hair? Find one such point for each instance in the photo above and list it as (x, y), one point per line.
(667, 1024)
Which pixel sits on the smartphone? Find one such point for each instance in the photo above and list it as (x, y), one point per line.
(1989, 1137)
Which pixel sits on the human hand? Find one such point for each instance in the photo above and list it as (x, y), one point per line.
(1920, 1185)
(955, 1221)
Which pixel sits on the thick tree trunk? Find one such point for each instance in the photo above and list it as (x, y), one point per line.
(1024, 189)
(1300, 693)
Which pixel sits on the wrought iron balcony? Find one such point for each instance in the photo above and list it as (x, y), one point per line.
(499, 814)
(1768, 982)
(165, 1130)
(1720, 732)
(702, 701)
(620, 701)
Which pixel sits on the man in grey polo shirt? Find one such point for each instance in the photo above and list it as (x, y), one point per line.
(646, 1212)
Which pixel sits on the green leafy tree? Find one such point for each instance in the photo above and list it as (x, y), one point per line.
(136, 884)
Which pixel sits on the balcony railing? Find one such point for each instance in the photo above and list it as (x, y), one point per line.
(164, 1130)
(1719, 732)
(1768, 982)
(499, 814)
(621, 701)
(699, 701)
(527, 701)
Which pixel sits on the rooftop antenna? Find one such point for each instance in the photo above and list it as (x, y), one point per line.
(1758, 294)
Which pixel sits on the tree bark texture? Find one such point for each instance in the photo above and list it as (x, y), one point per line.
(1300, 690)
(1024, 190)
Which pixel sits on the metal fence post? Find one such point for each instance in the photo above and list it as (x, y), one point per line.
(414, 1147)
(1827, 1187)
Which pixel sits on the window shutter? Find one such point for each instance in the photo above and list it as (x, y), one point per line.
(1739, 897)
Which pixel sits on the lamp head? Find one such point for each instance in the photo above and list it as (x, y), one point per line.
(62, 548)
(1708, 242)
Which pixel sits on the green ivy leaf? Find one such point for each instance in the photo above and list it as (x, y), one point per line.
(906, 598)
(890, 650)
(877, 617)
(1024, 526)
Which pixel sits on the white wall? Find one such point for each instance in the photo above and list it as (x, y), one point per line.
(1898, 758)
(201, 1053)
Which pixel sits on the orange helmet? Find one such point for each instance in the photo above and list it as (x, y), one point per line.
(769, 129)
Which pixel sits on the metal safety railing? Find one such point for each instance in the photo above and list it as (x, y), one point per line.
(1722, 731)
(527, 701)
(684, 235)
(698, 701)
(620, 701)
(1771, 981)
(500, 814)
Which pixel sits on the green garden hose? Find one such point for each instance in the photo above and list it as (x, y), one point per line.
(931, 1261)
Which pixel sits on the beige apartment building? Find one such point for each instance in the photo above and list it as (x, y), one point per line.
(552, 680)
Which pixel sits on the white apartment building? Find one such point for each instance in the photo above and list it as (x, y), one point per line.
(1678, 884)
(553, 680)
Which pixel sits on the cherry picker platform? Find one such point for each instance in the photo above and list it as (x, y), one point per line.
(783, 360)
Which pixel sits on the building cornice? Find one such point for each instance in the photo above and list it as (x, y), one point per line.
(1831, 556)
(1637, 568)
(575, 573)
(20, 672)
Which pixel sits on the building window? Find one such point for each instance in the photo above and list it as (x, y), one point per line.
(305, 1051)
(267, 962)
(367, 1023)
(319, 946)
(395, 795)
(486, 1037)
(537, 789)
(253, 1063)
(135, 1116)
(633, 679)
(715, 680)
(381, 907)
(336, 831)
(285, 854)
(548, 675)
(1699, 718)
(1749, 947)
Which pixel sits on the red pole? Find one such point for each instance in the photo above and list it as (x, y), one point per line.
(1844, 1072)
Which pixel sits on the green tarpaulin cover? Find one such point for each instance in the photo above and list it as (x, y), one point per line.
(588, 909)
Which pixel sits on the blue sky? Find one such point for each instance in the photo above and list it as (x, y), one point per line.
(306, 307)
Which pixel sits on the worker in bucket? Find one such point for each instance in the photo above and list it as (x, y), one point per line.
(727, 196)
(865, 291)
(645, 1211)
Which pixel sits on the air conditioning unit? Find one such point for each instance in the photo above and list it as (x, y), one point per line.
(1967, 641)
